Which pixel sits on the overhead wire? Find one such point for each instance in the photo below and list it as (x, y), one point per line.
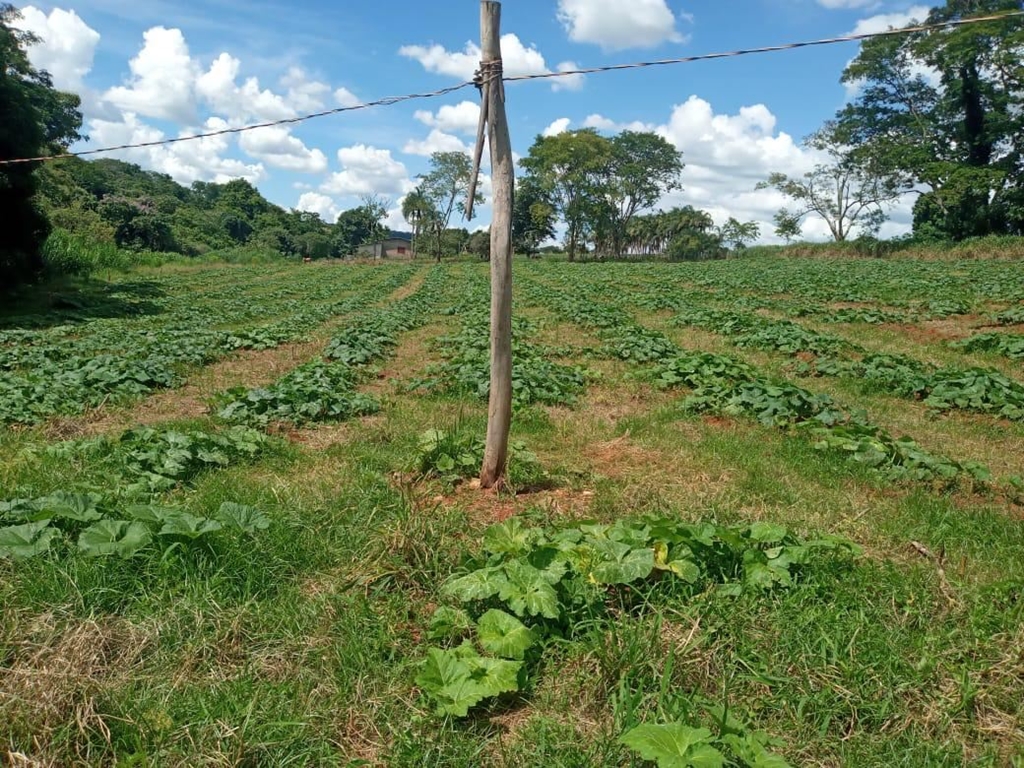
(392, 100)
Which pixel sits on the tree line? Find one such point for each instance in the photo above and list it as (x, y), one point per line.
(604, 192)
(938, 115)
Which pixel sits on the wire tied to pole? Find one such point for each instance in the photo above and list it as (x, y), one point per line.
(490, 74)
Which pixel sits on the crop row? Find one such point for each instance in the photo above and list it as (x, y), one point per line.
(325, 389)
(727, 386)
(65, 374)
(466, 368)
(979, 390)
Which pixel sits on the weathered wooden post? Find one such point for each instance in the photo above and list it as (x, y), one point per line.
(492, 114)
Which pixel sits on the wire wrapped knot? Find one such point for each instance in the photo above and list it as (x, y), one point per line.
(489, 72)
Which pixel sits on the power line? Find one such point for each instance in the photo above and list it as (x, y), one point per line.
(387, 101)
(391, 100)
(770, 48)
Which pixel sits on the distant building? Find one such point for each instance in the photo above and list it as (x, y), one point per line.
(398, 245)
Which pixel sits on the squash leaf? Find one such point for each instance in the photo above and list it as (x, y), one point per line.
(28, 540)
(674, 745)
(505, 635)
(114, 537)
(238, 517)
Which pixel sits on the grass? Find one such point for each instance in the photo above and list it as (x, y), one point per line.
(300, 645)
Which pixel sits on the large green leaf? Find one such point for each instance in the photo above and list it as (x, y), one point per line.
(674, 745)
(449, 623)
(188, 526)
(150, 513)
(527, 592)
(504, 635)
(69, 506)
(478, 585)
(238, 517)
(459, 679)
(114, 537)
(619, 563)
(508, 538)
(28, 540)
(767, 533)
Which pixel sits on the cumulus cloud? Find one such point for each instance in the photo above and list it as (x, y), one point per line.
(885, 21)
(162, 82)
(343, 97)
(519, 59)
(367, 170)
(602, 123)
(569, 82)
(277, 147)
(726, 155)
(615, 25)
(561, 125)
(437, 141)
(219, 89)
(303, 93)
(915, 15)
(66, 45)
(452, 118)
(185, 162)
(314, 202)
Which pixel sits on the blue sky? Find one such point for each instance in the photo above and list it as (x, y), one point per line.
(154, 68)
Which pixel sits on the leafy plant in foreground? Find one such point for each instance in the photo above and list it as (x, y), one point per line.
(159, 459)
(536, 583)
(677, 745)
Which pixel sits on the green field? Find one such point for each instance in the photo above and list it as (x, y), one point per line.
(761, 512)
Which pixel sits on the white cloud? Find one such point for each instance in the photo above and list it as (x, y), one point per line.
(219, 89)
(518, 59)
(569, 82)
(66, 45)
(277, 147)
(886, 21)
(453, 118)
(882, 22)
(163, 78)
(343, 97)
(437, 141)
(561, 125)
(304, 95)
(727, 155)
(314, 202)
(602, 123)
(367, 170)
(185, 162)
(615, 25)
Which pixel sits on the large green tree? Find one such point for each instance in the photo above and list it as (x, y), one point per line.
(642, 167)
(34, 119)
(446, 190)
(533, 217)
(942, 112)
(571, 169)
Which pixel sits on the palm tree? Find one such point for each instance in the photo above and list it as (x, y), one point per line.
(417, 210)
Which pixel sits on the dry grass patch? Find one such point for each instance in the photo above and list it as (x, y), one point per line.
(55, 672)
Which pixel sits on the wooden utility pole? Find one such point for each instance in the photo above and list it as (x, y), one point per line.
(492, 113)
